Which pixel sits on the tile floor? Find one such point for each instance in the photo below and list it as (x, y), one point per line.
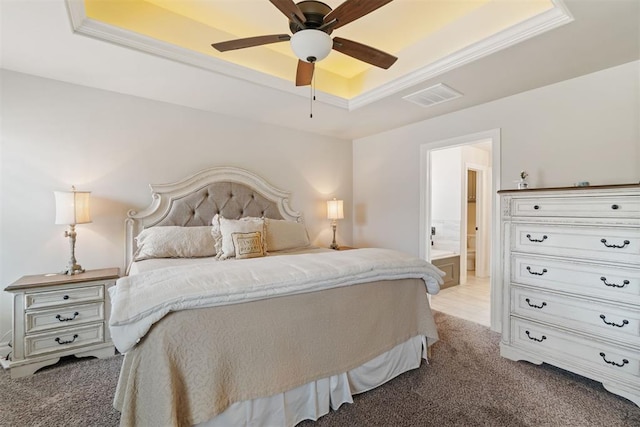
(470, 301)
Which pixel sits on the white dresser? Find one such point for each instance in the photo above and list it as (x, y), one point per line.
(571, 265)
(58, 315)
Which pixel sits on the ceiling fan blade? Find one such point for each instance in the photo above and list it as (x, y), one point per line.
(304, 74)
(250, 42)
(351, 10)
(289, 8)
(364, 53)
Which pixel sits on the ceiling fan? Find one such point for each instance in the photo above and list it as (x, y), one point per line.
(311, 22)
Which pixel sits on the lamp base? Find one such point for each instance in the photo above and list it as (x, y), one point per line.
(73, 269)
(334, 245)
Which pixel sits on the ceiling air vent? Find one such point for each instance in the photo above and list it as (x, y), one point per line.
(433, 95)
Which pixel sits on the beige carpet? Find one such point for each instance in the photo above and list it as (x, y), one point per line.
(466, 384)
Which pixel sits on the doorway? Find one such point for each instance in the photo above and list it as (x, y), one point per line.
(459, 210)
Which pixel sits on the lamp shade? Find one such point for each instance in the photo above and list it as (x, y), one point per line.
(72, 207)
(334, 209)
(311, 45)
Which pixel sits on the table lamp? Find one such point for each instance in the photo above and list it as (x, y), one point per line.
(72, 207)
(334, 213)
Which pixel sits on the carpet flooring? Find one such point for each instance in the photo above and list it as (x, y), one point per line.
(466, 383)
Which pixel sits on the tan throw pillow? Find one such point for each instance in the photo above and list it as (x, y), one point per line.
(283, 235)
(175, 242)
(248, 245)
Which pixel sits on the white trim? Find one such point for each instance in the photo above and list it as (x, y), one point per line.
(532, 27)
(425, 212)
(553, 18)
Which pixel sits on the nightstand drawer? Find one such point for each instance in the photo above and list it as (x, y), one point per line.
(601, 243)
(64, 296)
(586, 207)
(63, 339)
(64, 316)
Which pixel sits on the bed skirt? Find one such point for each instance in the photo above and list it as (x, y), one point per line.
(317, 398)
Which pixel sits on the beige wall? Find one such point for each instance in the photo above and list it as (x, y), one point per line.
(56, 134)
(584, 129)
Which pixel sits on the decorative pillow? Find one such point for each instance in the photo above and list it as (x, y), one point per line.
(282, 235)
(248, 245)
(175, 242)
(243, 225)
(215, 232)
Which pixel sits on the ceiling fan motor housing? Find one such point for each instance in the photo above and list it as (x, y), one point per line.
(314, 12)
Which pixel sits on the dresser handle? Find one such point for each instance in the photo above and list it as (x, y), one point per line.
(613, 285)
(535, 306)
(624, 322)
(535, 273)
(534, 338)
(619, 365)
(544, 237)
(67, 342)
(625, 243)
(66, 319)
(65, 297)
(536, 207)
(614, 207)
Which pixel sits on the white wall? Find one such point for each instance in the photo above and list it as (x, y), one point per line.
(584, 129)
(56, 134)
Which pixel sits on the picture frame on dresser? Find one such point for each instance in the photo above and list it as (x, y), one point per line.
(571, 275)
(56, 315)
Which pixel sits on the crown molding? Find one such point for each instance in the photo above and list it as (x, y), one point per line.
(553, 18)
(86, 26)
(532, 27)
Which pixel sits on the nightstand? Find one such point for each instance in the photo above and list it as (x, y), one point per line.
(345, 248)
(57, 315)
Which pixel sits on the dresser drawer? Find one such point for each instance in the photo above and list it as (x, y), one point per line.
(63, 339)
(63, 316)
(607, 320)
(589, 279)
(607, 359)
(577, 207)
(582, 242)
(77, 295)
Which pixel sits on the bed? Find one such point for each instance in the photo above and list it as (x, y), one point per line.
(273, 339)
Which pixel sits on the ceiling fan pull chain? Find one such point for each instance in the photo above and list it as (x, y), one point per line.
(311, 101)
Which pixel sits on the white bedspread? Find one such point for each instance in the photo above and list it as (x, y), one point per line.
(140, 300)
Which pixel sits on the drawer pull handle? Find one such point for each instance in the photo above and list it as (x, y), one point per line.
(544, 237)
(536, 207)
(535, 306)
(614, 207)
(613, 245)
(613, 285)
(535, 273)
(534, 338)
(67, 319)
(65, 297)
(610, 362)
(59, 341)
(624, 322)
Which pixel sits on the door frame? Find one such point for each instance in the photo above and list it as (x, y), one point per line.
(494, 136)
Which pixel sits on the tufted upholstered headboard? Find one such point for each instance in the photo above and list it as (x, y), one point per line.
(234, 193)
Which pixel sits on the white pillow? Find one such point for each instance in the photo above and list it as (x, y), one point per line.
(248, 245)
(175, 242)
(243, 225)
(283, 235)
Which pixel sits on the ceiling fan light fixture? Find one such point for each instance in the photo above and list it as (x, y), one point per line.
(311, 45)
